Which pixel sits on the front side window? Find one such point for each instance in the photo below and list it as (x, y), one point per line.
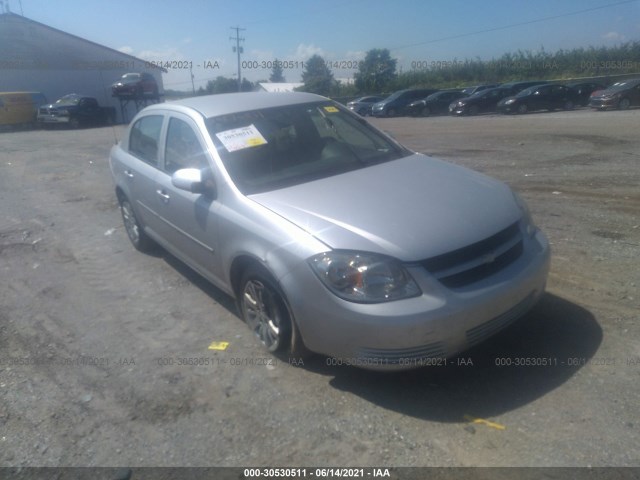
(183, 149)
(278, 147)
(145, 138)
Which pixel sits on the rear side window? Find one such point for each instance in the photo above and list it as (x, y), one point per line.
(145, 138)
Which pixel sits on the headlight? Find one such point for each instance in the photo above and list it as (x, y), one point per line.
(530, 227)
(364, 277)
(510, 101)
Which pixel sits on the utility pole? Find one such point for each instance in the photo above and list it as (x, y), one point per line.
(193, 87)
(238, 49)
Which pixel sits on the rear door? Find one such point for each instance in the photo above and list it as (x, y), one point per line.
(137, 167)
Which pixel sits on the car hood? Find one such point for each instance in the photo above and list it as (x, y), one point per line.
(513, 97)
(412, 208)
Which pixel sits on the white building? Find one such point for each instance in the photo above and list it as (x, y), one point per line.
(37, 58)
(279, 87)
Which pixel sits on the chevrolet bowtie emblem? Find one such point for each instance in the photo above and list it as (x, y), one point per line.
(488, 258)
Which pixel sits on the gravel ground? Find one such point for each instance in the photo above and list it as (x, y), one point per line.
(104, 357)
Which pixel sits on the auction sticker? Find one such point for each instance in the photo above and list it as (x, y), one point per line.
(240, 138)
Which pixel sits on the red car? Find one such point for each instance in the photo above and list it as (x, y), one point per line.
(135, 85)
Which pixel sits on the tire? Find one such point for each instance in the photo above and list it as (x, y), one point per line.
(264, 309)
(522, 108)
(425, 112)
(139, 239)
(624, 104)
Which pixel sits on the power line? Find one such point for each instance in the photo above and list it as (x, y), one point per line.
(504, 27)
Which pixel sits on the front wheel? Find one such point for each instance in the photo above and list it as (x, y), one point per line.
(265, 311)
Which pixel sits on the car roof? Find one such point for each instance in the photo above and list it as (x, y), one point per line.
(225, 103)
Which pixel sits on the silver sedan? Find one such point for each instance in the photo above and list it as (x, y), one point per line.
(331, 236)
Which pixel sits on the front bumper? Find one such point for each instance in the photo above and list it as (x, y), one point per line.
(512, 108)
(417, 331)
(604, 103)
(52, 119)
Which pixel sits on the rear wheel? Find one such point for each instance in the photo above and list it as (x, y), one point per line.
(264, 309)
(139, 239)
(624, 104)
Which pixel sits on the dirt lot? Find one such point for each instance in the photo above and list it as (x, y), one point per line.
(98, 342)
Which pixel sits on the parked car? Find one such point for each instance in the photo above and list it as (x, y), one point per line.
(584, 90)
(362, 105)
(396, 103)
(331, 236)
(479, 88)
(621, 95)
(20, 108)
(539, 97)
(76, 111)
(135, 85)
(480, 102)
(435, 103)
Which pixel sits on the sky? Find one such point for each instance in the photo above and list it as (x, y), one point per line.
(416, 32)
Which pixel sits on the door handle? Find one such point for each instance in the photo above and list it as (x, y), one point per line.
(128, 173)
(163, 195)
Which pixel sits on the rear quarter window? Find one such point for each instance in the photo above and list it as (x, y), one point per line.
(145, 138)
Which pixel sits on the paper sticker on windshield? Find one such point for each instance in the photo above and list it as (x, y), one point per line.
(331, 109)
(240, 138)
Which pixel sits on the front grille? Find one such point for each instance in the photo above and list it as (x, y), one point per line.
(402, 356)
(478, 334)
(477, 261)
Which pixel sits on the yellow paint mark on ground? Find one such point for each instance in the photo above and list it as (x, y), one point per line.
(482, 421)
(218, 345)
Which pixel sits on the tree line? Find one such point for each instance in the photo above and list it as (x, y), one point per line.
(378, 71)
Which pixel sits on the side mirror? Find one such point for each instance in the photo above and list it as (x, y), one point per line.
(191, 180)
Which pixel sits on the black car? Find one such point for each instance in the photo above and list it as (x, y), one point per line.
(362, 106)
(584, 90)
(396, 103)
(480, 102)
(620, 95)
(435, 103)
(539, 97)
(75, 111)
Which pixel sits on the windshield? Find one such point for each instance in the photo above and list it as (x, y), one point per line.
(525, 92)
(68, 100)
(621, 86)
(273, 148)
